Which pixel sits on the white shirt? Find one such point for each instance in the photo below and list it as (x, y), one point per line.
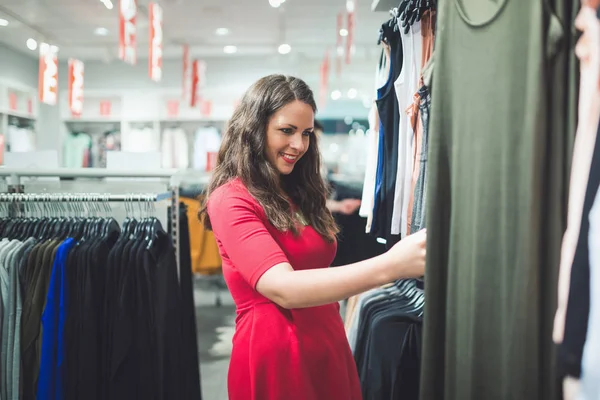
(208, 140)
(175, 149)
(406, 86)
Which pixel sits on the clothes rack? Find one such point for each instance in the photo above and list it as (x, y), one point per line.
(87, 335)
(15, 175)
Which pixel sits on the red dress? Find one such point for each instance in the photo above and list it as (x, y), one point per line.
(278, 354)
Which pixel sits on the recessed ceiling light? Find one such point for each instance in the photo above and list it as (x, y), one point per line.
(284, 48)
(222, 31)
(336, 95)
(230, 49)
(344, 32)
(350, 5)
(108, 4)
(31, 44)
(101, 31)
(3, 22)
(352, 93)
(275, 3)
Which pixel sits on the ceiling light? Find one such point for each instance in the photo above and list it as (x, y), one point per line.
(344, 32)
(101, 31)
(275, 3)
(285, 48)
(3, 22)
(222, 31)
(230, 49)
(352, 93)
(108, 4)
(336, 95)
(350, 5)
(31, 44)
(54, 49)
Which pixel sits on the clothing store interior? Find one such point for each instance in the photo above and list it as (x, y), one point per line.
(473, 123)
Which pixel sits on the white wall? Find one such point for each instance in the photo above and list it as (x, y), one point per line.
(228, 77)
(17, 67)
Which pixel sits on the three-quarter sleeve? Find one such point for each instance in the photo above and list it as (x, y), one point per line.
(238, 226)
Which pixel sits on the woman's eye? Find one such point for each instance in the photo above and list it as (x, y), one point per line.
(287, 131)
(306, 133)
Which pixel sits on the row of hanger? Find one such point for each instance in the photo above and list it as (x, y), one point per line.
(80, 220)
(406, 15)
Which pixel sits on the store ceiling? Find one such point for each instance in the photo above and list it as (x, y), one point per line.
(255, 27)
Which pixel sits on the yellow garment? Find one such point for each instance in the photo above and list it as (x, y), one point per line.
(203, 246)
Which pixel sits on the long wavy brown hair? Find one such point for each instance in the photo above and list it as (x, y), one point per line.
(242, 155)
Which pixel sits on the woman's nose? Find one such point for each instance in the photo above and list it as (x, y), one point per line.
(296, 142)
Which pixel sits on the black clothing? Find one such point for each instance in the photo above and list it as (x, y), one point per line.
(388, 344)
(389, 115)
(570, 351)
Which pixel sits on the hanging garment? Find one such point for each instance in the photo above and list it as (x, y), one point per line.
(494, 207)
(292, 354)
(406, 85)
(175, 149)
(190, 365)
(207, 141)
(20, 139)
(373, 171)
(204, 251)
(389, 117)
(77, 150)
(418, 214)
(590, 376)
(102, 315)
(141, 140)
(386, 341)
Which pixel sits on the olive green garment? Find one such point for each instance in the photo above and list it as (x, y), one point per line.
(497, 176)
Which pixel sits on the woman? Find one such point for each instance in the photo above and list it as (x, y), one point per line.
(266, 207)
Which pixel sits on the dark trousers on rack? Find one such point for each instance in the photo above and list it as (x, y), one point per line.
(189, 343)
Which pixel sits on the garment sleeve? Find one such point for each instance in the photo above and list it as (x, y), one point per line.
(243, 235)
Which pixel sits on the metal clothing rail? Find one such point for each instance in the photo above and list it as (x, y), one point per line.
(82, 197)
(17, 173)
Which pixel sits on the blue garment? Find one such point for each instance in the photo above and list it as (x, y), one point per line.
(50, 384)
(380, 153)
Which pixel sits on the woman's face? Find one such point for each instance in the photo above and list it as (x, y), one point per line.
(288, 135)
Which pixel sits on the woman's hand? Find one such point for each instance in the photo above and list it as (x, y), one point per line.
(407, 257)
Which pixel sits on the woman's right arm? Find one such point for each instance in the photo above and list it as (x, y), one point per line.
(314, 287)
(262, 263)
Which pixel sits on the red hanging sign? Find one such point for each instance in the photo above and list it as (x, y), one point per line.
(76, 70)
(198, 80)
(156, 42)
(173, 108)
(128, 31)
(350, 37)
(324, 85)
(30, 106)
(186, 74)
(13, 101)
(105, 108)
(48, 74)
(206, 108)
(339, 45)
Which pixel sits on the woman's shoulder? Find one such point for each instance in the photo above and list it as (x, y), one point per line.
(233, 191)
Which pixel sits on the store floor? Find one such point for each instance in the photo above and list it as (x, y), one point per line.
(215, 330)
